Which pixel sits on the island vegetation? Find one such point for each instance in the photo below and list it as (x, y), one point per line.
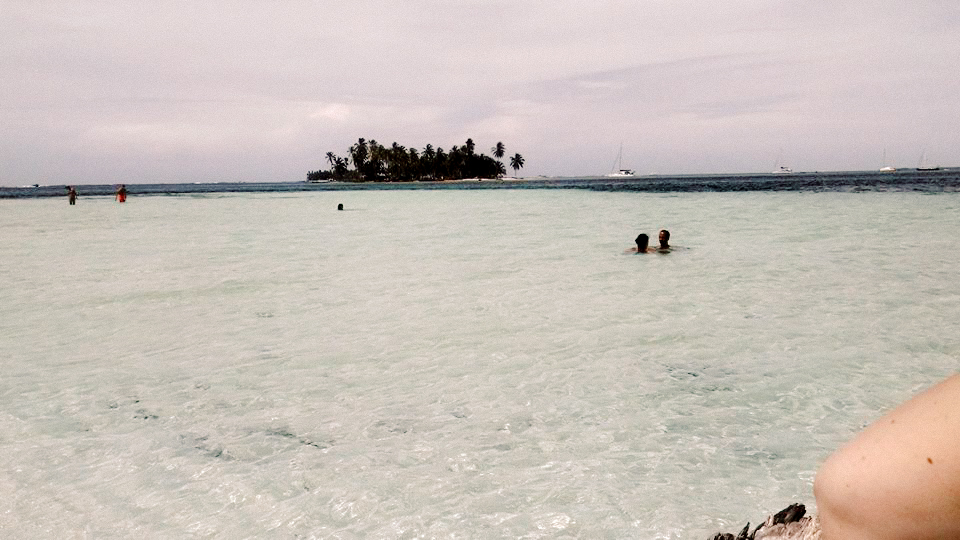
(369, 161)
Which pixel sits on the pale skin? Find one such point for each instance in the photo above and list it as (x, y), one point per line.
(899, 479)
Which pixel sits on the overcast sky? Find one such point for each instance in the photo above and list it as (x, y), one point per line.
(134, 91)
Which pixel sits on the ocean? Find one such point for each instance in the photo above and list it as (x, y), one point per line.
(455, 362)
(928, 181)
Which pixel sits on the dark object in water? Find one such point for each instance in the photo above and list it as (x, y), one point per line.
(340, 206)
(788, 523)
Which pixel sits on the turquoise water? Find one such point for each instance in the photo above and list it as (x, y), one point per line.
(455, 364)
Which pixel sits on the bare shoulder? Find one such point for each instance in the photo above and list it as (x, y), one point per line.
(899, 478)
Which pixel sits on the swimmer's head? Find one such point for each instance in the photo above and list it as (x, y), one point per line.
(642, 242)
(664, 237)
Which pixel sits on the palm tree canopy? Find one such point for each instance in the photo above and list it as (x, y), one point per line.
(374, 162)
(516, 162)
(359, 153)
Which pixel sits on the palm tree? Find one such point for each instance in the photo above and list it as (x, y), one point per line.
(429, 160)
(359, 153)
(396, 161)
(415, 171)
(376, 165)
(498, 152)
(440, 165)
(516, 163)
(331, 158)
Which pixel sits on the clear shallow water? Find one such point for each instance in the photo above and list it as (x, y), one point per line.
(454, 363)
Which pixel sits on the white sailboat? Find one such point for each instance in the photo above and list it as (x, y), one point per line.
(885, 167)
(618, 169)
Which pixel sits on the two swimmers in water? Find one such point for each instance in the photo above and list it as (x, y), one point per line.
(899, 479)
(643, 242)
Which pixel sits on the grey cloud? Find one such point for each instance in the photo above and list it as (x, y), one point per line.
(90, 88)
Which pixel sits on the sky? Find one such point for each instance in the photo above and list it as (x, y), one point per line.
(121, 91)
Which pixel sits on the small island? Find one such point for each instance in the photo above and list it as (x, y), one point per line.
(369, 161)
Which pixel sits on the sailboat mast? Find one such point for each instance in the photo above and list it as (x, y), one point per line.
(618, 164)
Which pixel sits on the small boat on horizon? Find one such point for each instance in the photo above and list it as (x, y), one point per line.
(781, 169)
(885, 167)
(618, 170)
(924, 166)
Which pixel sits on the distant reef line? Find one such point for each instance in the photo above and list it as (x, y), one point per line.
(903, 180)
